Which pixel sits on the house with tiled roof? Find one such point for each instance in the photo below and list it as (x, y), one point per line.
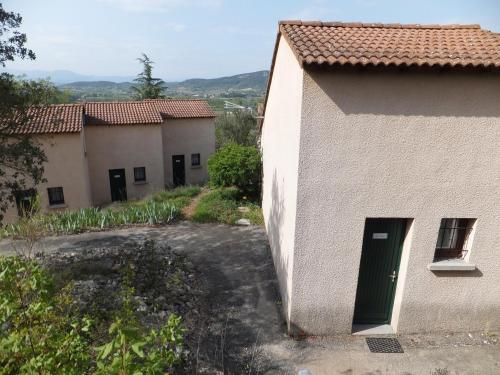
(99, 152)
(381, 182)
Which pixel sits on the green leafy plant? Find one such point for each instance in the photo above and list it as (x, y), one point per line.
(131, 351)
(238, 166)
(42, 332)
(40, 335)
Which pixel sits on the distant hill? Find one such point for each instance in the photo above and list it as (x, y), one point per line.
(248, 85)
(60, 77)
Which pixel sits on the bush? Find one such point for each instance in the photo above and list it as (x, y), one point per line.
(42, 333)
(239, 166)
(39, 333)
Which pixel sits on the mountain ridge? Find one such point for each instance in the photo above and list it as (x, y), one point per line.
(243, 85)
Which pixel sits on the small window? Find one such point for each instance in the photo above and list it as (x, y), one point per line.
(195, 160)
(140, 174)
(56, 195)
(453, 239)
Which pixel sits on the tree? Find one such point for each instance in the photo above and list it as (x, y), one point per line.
(21, 157)
(148, 87)
(238, 127)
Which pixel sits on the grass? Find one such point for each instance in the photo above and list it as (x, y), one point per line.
(222, 206)
(160, 208)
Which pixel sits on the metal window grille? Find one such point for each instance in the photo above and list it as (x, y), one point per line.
(56, 195)
(195, 159)
(139, 174)
(452, 242)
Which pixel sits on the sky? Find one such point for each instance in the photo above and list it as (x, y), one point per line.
(201, 38)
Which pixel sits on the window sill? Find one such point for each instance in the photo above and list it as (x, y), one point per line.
(56, 206)
(195, 166)
(451, 265)
(140, 182)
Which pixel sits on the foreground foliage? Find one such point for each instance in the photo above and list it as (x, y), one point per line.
(42, 332)
(227, 205)
(236, 166)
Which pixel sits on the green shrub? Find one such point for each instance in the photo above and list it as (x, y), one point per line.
(39, 333)
(42, 334)
(239, 166)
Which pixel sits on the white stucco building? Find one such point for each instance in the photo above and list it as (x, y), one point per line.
(99, 152)
(381, 190)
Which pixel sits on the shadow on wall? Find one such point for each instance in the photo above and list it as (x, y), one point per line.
(452, 94)
(461, 274)
(275, 222)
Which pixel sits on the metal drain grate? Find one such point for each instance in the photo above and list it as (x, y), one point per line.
(384, 345)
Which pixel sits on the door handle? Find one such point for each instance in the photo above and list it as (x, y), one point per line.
(393, 276)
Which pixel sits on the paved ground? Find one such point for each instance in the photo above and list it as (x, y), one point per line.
(238, 269)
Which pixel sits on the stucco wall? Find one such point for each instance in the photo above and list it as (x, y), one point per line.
(280, 152)
(66, 167)
(186, 137)
(124, 146)
(407, 145)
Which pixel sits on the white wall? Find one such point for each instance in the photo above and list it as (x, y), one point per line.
(421, 146)
(186, 137)
(280, 152)
(66, 167)
(124, 146)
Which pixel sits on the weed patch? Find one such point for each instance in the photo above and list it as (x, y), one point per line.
(223, 206)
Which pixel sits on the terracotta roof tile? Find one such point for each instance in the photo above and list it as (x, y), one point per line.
(60, 118)
(334, 43)
(152, 111)
(69, 118)
(122, 113)
(183, 108)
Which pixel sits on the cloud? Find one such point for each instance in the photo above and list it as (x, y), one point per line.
(160, 5)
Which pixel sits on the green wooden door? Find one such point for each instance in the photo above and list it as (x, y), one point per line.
(378, 270)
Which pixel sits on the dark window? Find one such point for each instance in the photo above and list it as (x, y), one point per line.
(195, 159)
(140, 174)
(453, 237)
(56, 195)
(25, 201)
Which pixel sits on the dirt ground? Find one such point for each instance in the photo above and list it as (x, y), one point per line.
(237, 267)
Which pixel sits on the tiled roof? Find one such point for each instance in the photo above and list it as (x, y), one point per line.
(362, 44)
(60, 118)
(69, 118)
(183, 108)
(122, 113)
(152, 111)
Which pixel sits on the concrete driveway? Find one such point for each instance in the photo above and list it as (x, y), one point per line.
(236, 265)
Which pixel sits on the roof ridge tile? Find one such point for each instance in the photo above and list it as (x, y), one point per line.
(378, 25)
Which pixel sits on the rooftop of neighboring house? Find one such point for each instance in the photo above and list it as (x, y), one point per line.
(70, 118)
